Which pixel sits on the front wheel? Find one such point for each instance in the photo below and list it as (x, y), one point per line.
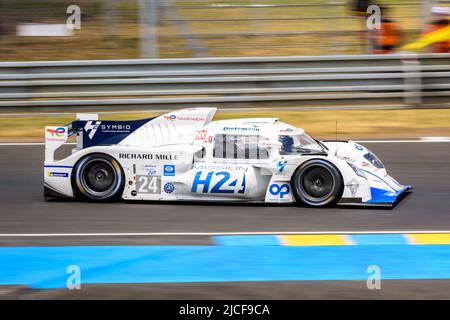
(99, 177)
(317, 183)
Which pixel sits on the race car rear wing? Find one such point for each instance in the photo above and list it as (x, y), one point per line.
(90, 132)
(56, 136)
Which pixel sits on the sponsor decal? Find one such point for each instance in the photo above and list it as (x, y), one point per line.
(148, 156)
(169, 170)
(134, 156)
(223, 185)
(353, 185)
(174, 117)
(254, 129)
(279, 190)
(91, 128)
(220, 167)
(151, 169)
(358, 147)
(58, 174)
(287, 130)
(107, 132)
(120, 128)
(169, 187)
(201, 134)
(166, 157)
(58, 134)
(171, 117)
(191, 118)
(281, 164)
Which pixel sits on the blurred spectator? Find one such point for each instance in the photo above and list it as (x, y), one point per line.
(439, 20)
(358, 8)
(387, 38)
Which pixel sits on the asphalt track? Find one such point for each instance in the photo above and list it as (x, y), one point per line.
(426, 166)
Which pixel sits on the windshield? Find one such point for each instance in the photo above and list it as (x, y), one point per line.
(298, 143)
(373, 159)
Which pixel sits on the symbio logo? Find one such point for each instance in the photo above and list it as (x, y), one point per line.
(91, 128)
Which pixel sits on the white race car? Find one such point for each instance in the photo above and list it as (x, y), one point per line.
(184, 155)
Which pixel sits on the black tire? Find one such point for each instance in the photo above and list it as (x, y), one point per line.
(98, 177)
(317, 183)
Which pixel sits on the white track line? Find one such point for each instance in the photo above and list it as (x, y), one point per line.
(28, 143)
(359, 141)
(22, 143)
(402, 141)
(131, 234)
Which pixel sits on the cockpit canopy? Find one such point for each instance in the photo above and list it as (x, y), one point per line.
(299, 143)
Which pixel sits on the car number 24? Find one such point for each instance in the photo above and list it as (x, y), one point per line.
(148, 184)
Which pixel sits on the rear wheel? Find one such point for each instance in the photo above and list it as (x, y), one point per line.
(317, 183)
(99, 177)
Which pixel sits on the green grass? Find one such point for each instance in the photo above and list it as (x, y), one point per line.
(352, 124)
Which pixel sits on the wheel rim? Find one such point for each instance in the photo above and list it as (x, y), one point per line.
(98, 177)
(317, 183)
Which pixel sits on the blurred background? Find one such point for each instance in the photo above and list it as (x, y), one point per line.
(372, 71)
(303, 57)
(130, 29)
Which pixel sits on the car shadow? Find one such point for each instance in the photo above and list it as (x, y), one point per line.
(233, 204)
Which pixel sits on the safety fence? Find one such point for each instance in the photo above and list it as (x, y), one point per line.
(409, 80)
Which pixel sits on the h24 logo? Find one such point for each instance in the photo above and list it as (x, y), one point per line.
(218, 182)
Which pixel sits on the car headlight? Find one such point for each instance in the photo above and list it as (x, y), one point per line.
(357, 171)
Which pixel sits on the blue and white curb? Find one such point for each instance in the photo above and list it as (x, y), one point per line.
(333, 239)
(234, 258)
